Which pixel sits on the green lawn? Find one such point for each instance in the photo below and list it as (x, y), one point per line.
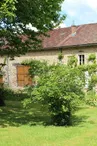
(26, 127)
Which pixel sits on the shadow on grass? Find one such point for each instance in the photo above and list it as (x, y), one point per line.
(78, 120)
(13, 114)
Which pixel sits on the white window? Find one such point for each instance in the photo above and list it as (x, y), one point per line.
(81, 59)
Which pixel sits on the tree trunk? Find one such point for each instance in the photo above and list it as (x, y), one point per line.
(2, 102)
(2, 97)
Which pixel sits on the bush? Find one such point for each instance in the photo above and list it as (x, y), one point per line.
(91, 98)
(92, 58)
(61, 88)
(9, 94)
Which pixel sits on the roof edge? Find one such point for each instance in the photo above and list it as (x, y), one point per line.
(72, 46)
(64, 47)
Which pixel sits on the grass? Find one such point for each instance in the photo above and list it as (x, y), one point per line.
(26, 127)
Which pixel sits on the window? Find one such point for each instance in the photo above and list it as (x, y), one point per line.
(81, 59)
(23, 77)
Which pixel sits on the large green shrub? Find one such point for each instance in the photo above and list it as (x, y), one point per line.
(61, 88)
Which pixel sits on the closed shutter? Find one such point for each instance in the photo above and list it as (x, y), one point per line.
(23, 77)
(1, 80)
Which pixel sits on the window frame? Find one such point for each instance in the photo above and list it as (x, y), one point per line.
(81, 59)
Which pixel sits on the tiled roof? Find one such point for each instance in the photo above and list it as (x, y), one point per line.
(84, 35)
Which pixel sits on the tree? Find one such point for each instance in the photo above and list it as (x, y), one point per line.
(18, 17)
(15, 18)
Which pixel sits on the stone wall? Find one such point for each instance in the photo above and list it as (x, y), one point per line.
(50, 56)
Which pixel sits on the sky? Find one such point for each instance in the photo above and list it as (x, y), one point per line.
(79, 12)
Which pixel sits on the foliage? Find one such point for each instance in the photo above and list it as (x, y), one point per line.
(36, 67)
(2, 66)
(60, 88)
(83, 67)
(1, 74)
(19, 20)
(92, 68)
(60, 56)
(92, 76)
(92, 58)
(9, 94)
(91, 98)
(7, 9)
(92, 82)
(72, 61)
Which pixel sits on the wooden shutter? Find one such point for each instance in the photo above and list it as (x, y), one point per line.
(26, 69)
(20, 70)
(1, 80)
(23, 77)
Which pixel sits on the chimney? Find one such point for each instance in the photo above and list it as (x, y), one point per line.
(73, 29)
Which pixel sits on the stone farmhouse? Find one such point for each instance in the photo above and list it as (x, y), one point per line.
(75, 40)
